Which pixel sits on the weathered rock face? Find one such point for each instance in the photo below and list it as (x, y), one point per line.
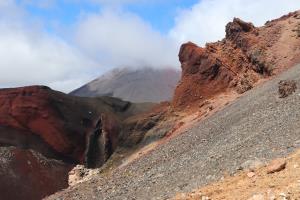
(39, 126)
(51, 123)
(233, 29)
(26, 174)
(204, 75)
(246, 55)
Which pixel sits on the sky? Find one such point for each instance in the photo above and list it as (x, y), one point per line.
(67, 43)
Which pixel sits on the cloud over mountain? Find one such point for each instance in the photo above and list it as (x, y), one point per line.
(100, 39)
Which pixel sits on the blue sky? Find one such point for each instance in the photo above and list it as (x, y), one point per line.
(159, 14)
(66, 43)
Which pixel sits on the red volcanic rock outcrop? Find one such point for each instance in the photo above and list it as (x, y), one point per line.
(38, 115)
(39, 126)
(246, 55)
(26, 174)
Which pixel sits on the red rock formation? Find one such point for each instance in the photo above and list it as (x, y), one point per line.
(36, 120)
(246, 55)
(59, 122)
(26, 174)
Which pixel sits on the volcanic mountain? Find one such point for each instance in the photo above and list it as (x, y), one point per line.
(225, 113)
(133, 84)
(228, 114)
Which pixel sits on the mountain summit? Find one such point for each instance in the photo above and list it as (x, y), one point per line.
(135, 85)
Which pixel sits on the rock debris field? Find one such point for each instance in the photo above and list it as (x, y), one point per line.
(257, 126)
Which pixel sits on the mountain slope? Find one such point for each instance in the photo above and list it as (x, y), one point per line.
(258, 125)
(135, 85)
(44, 133)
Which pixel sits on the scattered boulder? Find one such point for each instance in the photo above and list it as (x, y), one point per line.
(286, 88)
(257, 197)
(80, 174)
(276, 166)
(284, 196)
(251, 174)
(252, 165)
(243, 86)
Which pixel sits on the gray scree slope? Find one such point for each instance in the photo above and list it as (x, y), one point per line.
(258, 125)
(135, 85)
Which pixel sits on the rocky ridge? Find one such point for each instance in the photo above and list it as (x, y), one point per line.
(245, 56)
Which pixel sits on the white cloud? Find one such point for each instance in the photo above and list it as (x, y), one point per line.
(30, 56)
(206, 20)
(117, 38)
(110, 38)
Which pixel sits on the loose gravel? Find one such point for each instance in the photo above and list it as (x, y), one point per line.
(257, 126)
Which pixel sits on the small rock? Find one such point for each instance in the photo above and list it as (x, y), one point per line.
(286, 88)
(272, 185)
(297, 143)
(80, 174)
(205, 198)
(271, 195)
(251, 174)
(276, 166)
(252, 165)
(257, 197)
(284, 196)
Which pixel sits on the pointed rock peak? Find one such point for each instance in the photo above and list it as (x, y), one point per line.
(187, 50)
(238, 26)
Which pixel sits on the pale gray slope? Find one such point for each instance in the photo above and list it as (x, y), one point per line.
(257, 125)
(135, 85)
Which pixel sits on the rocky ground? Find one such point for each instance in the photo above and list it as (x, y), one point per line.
(256, 184)
(258, 126)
